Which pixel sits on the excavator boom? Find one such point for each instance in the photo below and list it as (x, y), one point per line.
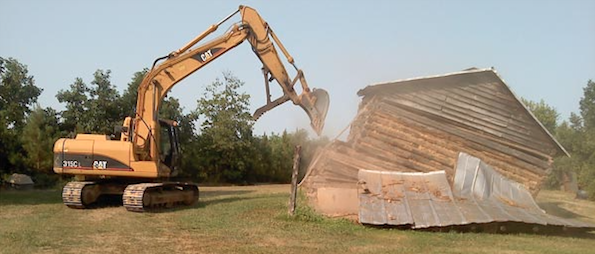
(180, 63)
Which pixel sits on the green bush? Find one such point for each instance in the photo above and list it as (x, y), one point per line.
(45, 181)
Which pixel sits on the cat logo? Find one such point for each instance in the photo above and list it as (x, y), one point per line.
(99, 164)
(206, 55)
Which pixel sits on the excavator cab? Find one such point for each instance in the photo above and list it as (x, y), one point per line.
(169, 147)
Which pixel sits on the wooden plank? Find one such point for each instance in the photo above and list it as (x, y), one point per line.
(294, 177)
(416, 103)
(469, 136)
(461, 131)
(461, 118)
(441, 147)
(495, 107)
(391, 130)
(521, 129)
(523, 122)
(357, 161)
(402, 152)
(475, 105)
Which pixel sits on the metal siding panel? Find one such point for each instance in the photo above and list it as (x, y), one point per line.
(372, 209)
(393, 191)
(443, 201)
(423, 200)
(419, 201)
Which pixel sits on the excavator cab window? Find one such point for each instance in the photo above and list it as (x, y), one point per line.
(169, 145)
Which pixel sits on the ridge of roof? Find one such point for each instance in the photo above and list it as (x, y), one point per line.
(517, 98)
(367, 90)
(376, 87)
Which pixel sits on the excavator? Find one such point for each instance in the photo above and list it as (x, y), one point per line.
(140, 166)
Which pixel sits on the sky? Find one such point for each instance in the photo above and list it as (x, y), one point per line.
(542, 49)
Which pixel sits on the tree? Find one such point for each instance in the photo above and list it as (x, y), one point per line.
(281, 158)
(587, 105)
(261, 160)
(577, 135)
(75, 117)
(104, 104)
(170, 109)
(18, 94)
(131, 93)
(39, 135)
(226, 131)
(282, 152)
(94, 109)
(585, 150)
(547, 115)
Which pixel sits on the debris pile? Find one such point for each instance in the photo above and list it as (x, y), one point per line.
(480, 195)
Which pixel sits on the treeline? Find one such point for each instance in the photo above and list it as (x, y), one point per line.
(577, 136)
(217, 140)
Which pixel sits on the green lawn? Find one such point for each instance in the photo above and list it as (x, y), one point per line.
(239, 220)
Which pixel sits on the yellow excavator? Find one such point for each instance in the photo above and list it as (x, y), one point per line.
(140, 165)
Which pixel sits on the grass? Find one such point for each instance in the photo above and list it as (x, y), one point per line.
(250, 219)
(564, 204)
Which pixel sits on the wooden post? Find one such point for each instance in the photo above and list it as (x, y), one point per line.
(294, 178)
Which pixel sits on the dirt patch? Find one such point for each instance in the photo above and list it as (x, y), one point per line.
(272, 241)
(101, 214)
(21, 212)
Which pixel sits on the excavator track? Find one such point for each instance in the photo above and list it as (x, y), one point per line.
(73, 194)
(148, 196)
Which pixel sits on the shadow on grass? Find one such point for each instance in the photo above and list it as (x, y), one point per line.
(503, 228)
(213, 199)
(217, 193)
(37, 197)
(554, 208)
(200, 205)
(104, 201)
(30, 197)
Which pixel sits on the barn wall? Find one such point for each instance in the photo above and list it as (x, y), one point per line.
(409, 142)
(423, 127)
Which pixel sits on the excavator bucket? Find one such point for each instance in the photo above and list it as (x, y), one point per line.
(315, 103)
(316, 106)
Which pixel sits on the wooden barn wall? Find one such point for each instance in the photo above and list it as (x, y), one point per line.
(424, 130)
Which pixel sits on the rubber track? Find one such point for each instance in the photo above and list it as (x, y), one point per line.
(133, 196)
(72, 194)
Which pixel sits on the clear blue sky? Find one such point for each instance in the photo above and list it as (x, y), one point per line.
(543, 49)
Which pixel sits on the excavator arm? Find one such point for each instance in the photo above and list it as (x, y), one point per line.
(181, 63)
(108, 167)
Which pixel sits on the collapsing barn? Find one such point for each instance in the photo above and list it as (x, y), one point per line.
(421, 125)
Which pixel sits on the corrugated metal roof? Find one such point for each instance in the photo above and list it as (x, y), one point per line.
(424, 200)
(471, 76)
